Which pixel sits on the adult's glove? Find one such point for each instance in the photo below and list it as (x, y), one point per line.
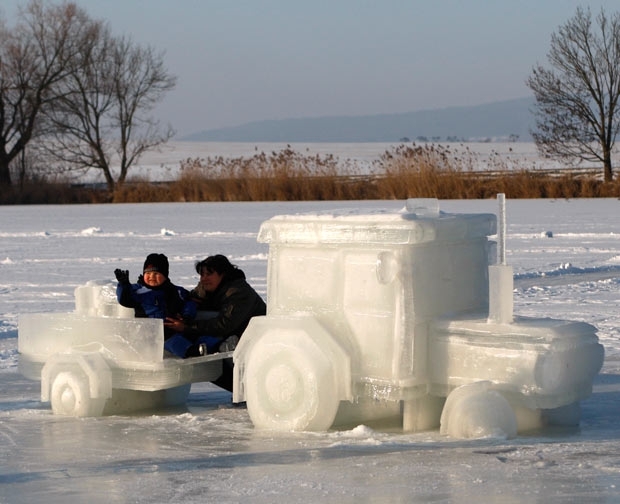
(122, 276)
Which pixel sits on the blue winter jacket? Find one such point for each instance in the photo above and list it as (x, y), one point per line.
(166, 300)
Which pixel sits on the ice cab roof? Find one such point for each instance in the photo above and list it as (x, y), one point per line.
(420, 221)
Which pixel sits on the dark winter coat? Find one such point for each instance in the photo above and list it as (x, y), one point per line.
(235, 302)
(166, 300)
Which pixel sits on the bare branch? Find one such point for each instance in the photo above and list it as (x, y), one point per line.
(35, 56)
(83, 95)
(103, 118)
(577, 114)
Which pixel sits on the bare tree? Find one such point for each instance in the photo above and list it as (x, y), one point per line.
(102, 120)
(35, 56)
(577, 114)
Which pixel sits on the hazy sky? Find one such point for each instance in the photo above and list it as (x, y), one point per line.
(244, 60)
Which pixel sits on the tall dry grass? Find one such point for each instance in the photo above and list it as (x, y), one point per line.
(404, 171)
(439, 172)
(286, 175)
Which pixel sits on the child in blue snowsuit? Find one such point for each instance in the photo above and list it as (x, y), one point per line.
(155, 296)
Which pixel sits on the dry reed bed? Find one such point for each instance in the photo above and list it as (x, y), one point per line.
(405, 171)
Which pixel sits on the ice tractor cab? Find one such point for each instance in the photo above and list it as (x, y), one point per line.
(406, 313)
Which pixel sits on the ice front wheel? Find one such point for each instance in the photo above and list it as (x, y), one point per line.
(290, 388)
(70, 396)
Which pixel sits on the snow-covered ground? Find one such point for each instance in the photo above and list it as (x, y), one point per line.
(566, 259)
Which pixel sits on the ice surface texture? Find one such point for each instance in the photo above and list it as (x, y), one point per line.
(404, 308)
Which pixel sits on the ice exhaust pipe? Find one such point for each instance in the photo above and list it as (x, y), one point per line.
(501, 282)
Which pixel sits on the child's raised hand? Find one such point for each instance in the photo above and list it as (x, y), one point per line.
(122, 275)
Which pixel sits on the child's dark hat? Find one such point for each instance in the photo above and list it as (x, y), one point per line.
(156, 262)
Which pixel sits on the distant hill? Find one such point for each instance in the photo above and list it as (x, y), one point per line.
(492, 121)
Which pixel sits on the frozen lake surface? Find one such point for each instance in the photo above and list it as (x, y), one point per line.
(566, 260)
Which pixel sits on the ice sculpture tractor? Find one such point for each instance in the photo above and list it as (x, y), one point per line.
(100, 360)
(405, 314)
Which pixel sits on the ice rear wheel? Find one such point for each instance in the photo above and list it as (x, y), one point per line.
(290, 387)
(70, 396)
(477, 410)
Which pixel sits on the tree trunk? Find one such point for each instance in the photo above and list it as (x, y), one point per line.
(607, 166)
(5, 173)
(109, 179)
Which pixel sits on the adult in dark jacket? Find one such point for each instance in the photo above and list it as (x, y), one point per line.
(224, 292)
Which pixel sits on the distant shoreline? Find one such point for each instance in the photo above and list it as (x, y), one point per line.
(507, 119)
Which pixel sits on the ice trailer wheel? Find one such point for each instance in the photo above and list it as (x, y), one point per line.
(289, 388)
(70, 396)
